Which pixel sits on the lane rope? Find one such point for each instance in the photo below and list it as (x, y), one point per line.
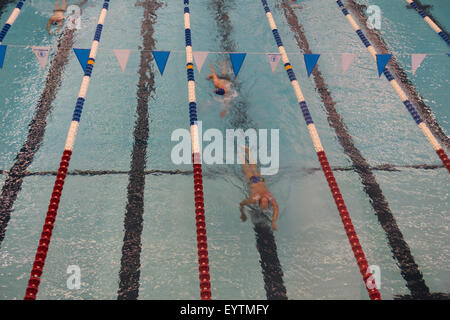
(11, 20)
(44, 243)
(343, 212)
(202, 243)
(409, 106)
(429, 21)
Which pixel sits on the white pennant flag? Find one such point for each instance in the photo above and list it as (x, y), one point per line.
(200, 58)
(416, 60)
(274, 59)
(42, 54)
(122, 56)
(347, 59)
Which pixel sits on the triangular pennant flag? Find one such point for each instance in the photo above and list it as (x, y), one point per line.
(347, 59)
(122, 56)
(237, 59)
(83, 56)
(382, 61)
(42, 54)
(199, 58)
(311, 61)
(274, 59)
(2, 54)
(416, 60)
(161, 59)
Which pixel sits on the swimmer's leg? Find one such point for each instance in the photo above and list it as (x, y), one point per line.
(64, 6)
(248, 166)
(56, 5)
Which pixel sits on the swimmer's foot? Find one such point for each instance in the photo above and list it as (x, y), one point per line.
(223, 113)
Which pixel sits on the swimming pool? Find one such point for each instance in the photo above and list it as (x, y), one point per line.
(109, 156)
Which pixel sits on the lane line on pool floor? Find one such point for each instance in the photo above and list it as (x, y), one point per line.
(399, 247)
(395, 85)
(130, 262)
(328, 173)
(265, 240)
(432, 22)
(36, 131)
(45, 238)
(12, 18)
(159, 172)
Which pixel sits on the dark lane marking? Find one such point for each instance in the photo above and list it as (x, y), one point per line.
(406, 84)
(129, 273)
(159, 172)
(265, 240)
(425, 8)
(37, 126)
(400, 249)
(3, 4)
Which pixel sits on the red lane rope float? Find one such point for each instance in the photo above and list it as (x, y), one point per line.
(202, 241)
(44, 242)
(336, 193)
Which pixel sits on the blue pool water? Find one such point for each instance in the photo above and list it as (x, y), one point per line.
(313, 249)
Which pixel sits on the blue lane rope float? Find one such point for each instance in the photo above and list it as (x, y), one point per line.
(44, 243)
(202, 243)
(11, 20)
(337, 196)
(429, 21)
(405, 100)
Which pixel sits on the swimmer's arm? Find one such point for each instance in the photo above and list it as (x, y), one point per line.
(242, 204)
(48, 25)
(275, 214)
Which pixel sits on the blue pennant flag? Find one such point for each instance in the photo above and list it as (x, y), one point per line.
(2, 54)
(83, 56)
(311, 61)
(161, 59)
(382, 61)
(237, 59)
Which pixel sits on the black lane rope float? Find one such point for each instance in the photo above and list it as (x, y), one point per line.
(265, 240)
(44, 242)
(425, 111)
(399, 247)
(36, 131)
(352, 237)
(130, 262)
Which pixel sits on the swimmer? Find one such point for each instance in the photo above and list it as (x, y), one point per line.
(222, 85)
(259, 194)
(58, 16)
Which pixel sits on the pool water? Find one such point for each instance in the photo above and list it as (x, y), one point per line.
(312, 246)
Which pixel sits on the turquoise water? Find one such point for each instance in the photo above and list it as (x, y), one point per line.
(313, 249)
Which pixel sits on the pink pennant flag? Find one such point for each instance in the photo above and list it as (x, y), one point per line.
(274, 59)
(42, 54)
(416, 60)
(122, 56)
(200, 58)
(347, 59)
